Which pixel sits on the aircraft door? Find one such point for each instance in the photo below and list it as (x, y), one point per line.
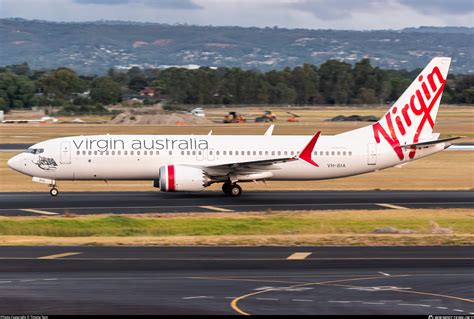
(65, 152)
(371, 154)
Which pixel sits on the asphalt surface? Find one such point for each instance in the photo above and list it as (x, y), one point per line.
(34, 204)
(237, 280)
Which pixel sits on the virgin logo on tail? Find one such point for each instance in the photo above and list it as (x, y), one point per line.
(420, 105)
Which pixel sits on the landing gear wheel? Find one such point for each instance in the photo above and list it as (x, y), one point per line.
(235, 190)
(226, 188)
(54, 191)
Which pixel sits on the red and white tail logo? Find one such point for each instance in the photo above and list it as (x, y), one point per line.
(412, 116)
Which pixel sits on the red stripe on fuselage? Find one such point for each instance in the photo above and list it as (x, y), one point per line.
(171, 186)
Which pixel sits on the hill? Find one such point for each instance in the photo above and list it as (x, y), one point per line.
(94, 47)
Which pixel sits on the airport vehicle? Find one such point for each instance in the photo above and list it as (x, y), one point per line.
(268, 116)
(177, 163)
(233, 117)
(199, 112)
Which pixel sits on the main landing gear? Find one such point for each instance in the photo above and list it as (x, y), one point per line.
(233, 190)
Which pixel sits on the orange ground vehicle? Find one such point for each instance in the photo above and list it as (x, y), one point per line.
(233, 117)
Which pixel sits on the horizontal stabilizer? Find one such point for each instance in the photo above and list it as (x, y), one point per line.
(433, 142)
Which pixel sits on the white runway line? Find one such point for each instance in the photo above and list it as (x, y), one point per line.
(384, 273)
(413, 304)
(390, 206)
(37, 211)
(197, 297)
(219, 209)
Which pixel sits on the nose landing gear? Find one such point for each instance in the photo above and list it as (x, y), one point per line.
(54, 191)
(233, 190)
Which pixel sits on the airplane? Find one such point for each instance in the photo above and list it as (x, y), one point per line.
(188, 163)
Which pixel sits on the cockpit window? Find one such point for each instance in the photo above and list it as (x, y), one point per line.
(35, 150)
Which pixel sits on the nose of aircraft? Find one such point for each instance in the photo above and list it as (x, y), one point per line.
(15, 163)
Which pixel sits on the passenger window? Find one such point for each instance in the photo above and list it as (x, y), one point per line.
(260, 153)
(182, 153)
(113, 152)
(350, 153)
(286, 153)
(292, 153)
(199, 153)
(338, 153)
(78, 153)
(210, 152)
(138, 152)
(321, 153)
(230, 152)
(224, 153)
(332, 153)
(279, 153)
(273, 153)
(107, 153)
(83, 152)
(194, 153)
(248, 152)
(145, 153)
(131, 152)
(95, 153)
(171, 153)
(266, 152)
(217, 152)
(124, 152)
(254, 153)
(327, 153)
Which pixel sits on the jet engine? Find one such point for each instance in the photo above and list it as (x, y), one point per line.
(179, 178)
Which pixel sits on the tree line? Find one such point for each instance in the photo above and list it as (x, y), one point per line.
(333, 83)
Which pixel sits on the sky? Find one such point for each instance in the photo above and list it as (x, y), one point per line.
(310, 14)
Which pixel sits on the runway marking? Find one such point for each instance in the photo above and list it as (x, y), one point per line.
(384, 273)
(373, 303)
(298, 256)
(235, 307)
(407, 291)
(219, 209)
(458, 310)
(266, 298)
(392, 206)
(37, 211)
(197, 297)
(238, 206)
(302, 300)
(413, 304)
(442, 307)
(342, 301)
(3, 282)
(59, 255)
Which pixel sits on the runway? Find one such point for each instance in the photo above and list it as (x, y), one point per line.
(82, 203)
(237, 280)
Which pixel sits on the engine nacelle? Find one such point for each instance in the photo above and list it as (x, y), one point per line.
(178, 178)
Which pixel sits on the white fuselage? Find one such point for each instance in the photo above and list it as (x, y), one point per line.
(139, 157)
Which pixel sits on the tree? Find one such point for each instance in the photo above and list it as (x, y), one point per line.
(62, 83)
(16, 90)
(336, 82)
(104, 90)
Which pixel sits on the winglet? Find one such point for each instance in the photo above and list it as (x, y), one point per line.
(305, 154)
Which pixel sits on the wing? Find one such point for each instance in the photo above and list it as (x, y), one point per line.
(259, 169)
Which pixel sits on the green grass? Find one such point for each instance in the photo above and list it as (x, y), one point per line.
(270, 224)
